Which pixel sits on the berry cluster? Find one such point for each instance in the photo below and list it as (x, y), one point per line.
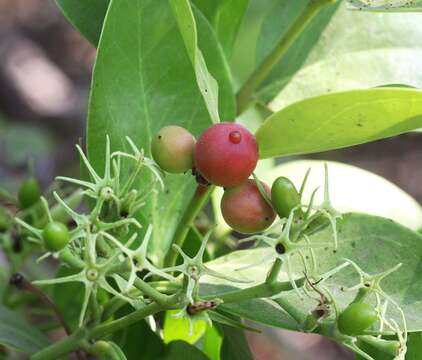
(226, 155)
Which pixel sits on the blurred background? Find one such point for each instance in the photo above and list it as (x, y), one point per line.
(45, 71)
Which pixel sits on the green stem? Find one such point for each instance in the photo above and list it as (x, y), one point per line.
(263, 70)
(258, 291)
(125, 321)
(65, 346)
(387, 346)
(151, 292)
(74, 262)
(196, 204)
(76, 340)
(274, 271)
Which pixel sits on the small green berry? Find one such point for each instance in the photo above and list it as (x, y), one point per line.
(284, 196)
(29, 193)
(356, 318)
(55, 236)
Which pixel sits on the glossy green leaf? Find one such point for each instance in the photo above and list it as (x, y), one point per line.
(211, 343)
(374, 243)
(279, 17)
(16, 333)
(142, 81)
(225, 17)
(217, 65)
(386, 5)
(182, 350)
(414, 346)
(176, 328)
(263, 311)
(206, 83)
(70, 306)
(352, 189)
(339, 120)
(140, 339)
(344, 58)
(86, 16)
(235, 345)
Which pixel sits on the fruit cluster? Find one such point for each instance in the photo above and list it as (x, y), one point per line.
(226, 155)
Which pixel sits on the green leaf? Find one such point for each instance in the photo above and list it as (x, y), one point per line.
(414, 346)
(217, 66)
(182, 350)
(352, 189)
(225, 17)
(345, 58)
(263, 311)
(387, 5)
(235, 345)
(206, 83)
(70, 306)
(143, 80)
(374, 243)
(279, 18)
(139, 338)
(211, 343)
(179, 328)
(86, 16)
(339, 120)
(17, 334)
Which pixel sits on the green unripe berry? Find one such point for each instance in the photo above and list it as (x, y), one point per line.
(172, 149)
(356, 318)
(29, 193)
(55, 236)
(284, 196)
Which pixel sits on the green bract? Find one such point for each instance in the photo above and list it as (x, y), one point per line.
(55, 236)
(29, 193)
(356, 318)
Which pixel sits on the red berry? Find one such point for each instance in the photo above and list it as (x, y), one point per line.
(244, 208)
(226, 154)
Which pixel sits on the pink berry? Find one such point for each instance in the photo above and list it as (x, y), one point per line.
(244, 208)
(226, 154)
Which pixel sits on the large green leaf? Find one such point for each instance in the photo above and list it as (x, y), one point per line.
(386, 5)
(206, 83)
(85, 15)
(263, 311)
(279, 18)
(177, 328)
(414, 346)
(338, 120)
(211, 343)
(235, 345)
(345, 58)
(352, 189)
(70, 306)
(17, 334)
(225, 17)
(140, 339)
(144, 80)
(217, 66)
(374, 243)
(182, 350)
